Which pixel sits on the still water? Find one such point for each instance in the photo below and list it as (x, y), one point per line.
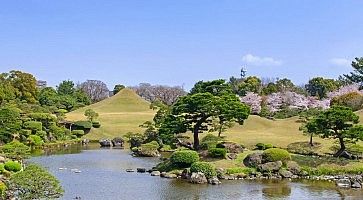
(103, 177)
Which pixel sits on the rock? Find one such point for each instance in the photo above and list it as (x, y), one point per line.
(293, 167)
(2, 159)
(185, 174)
(220, 173)
(285, 173)
(117, 141)
(270, 166)
(162, 174)
(147, 152)
(155, 173)
(214, 181)
(356, 184)
(85, 141)
(169, 175)
(141, 170)
(198, 178)
(343, 183)
(346, 155)
(130, 170)
(232, 156)
(105, 143)
(231, 147)
(253, 160)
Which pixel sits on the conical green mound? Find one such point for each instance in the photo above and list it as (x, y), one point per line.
(119, 114)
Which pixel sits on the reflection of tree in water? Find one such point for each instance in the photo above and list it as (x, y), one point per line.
(276, 191)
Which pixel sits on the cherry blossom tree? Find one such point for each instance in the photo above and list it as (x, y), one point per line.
(253, 100)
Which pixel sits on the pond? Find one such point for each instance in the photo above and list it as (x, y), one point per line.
(103, 176)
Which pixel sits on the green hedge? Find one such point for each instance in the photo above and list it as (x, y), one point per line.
(35, 140)
(33, 125)
(217, 152)
(184, 158)
(276, 154)
(82, 125)
(204, 167)
(96, 124)
(262, 146)
(12, 166)
(25, 132)
(78, 133)
(2, 168)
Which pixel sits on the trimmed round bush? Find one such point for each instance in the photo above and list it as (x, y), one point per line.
(151, 145)
(33, 125)
(2, 168)
(96, 124)
(78, 133)
(276, 154)
(206, 168)
(82, 125)
(269, 146)
(217, 152)
(260, 146)
(35, 140)
(184, 158)
(12, 166)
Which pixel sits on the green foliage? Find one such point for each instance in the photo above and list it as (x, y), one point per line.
(249, 84)
(184, 158)
(42, 134)
(240, 170)
(320, 86)
(286, 113)
(332, 170)
(16, 150)
(207, 168)
(151, 145)
(35, 183)
(166, 166)
(209, 141)
(336, 122)
(357, 75)
(96, 124)
(10, 123)
(262, 146)
(2, 168)
(12, 166)
(135, 139)
(45, 118)
(304, 148)
(118, 88)
(25, 85)
(215, 87)
(33, 125)
(276, 154)
(35, 140)
(217, 152)
(25, 132)
(166, 148)
(82, 125)
(66, 88)
(91, 115)
(3, 189)
(78, 133)
(353, 100)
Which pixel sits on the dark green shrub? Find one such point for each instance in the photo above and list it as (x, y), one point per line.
(260, 146)
(82, 125)
(217, 152)
(25, 132)
(165, 166)
(42, 134)
(33, 125)
(204, 167)
(78, 133)
(184, 158)
(12, 166)
(35, 140)
(16, 150)
(276, 154)
(96, 124)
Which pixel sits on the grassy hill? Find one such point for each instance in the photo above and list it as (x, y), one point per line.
(119, 114)
(125, 111)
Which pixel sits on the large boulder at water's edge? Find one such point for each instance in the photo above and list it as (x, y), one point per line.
(117, 141)
(143, 152)
(270, 166)
(198, 178)
(105, 143)
(253, 160)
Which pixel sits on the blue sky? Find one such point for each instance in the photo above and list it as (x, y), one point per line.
(179, 42)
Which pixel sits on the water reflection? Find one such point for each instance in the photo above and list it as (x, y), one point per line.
(274, 189)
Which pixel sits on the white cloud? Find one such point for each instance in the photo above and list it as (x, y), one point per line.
(260, 61)
(340, 62)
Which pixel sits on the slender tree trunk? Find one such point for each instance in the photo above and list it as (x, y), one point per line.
(342, 147)
(196, 132)
(311, 140)
(220, 131)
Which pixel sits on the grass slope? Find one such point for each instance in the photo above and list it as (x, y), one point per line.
(125, 111)
(119, 114)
